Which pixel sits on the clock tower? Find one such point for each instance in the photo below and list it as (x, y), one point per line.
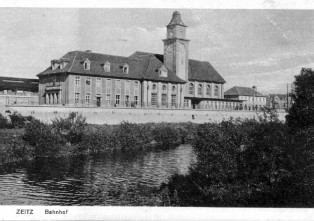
(176, 47)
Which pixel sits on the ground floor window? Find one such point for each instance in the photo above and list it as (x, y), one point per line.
(186, 102)
(127, 100)
(108, 98)
(87, 98)
(77, 98)
(164, 100)
(135, 100)
(154, 99)
(117, 100)
(174, 99)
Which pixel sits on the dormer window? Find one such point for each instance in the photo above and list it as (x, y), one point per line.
(125, 69)
(86, 64)
(107, 66)
(163, 72)
(54, 64)
(64, 62)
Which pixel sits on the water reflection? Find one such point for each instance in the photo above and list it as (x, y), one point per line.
(124, 179)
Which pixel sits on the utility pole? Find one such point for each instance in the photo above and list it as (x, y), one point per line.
(254, 88)
(287, 96)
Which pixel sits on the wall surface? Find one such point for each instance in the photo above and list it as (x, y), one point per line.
(115, 116)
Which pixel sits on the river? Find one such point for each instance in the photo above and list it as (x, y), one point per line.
(123, 179)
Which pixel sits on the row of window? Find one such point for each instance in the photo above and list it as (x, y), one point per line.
(87, 65)
(77, 99)
(164, 87)
(164, 100)
(200, 90)
(250, 98)
(109, 84)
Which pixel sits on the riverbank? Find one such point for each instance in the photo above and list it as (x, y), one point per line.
(72, 136)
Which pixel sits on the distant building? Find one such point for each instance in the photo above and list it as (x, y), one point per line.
(168, 80)
(251, 99)
(18, 91)
(279, 101)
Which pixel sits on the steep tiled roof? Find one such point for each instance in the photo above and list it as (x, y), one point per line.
(198, 70)
(242, 91)
(203, 71)
(142, 65)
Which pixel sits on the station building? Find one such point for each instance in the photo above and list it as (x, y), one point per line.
(147, 80)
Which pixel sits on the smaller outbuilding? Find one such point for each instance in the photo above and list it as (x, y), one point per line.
(250, 97)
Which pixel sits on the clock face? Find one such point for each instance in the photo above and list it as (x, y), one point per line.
(169, 48)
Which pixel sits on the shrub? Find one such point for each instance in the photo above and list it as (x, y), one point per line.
(70, 129)
(4, 123)
(166, 135)
(45, 142)
(17, 120)
(240, 163)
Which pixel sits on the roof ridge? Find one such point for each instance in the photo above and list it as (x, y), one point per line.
(72, 62)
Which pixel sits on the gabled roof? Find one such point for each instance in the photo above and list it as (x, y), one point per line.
(198, 70)
(242, 91)
(142, 65)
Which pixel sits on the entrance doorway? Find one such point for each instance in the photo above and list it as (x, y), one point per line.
(195, 104)
(98, 99)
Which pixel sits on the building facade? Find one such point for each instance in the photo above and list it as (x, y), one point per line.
(280, 102)
(168, 80)
(251, 99)
(18, 91)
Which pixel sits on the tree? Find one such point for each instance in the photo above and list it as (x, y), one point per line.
(301, 113)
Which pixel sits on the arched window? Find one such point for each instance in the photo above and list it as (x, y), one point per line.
(154, 86)
(164, 87)
(216, 91)
(191, 89)
(208, 90)
(199, 89)
(173, 88)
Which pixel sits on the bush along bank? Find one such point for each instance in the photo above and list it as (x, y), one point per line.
(73, 136)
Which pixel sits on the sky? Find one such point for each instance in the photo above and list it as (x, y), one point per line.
(264, 48)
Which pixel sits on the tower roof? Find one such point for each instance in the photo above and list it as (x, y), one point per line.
(176, 19)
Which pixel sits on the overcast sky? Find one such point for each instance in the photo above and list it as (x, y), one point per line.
(265, 48)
